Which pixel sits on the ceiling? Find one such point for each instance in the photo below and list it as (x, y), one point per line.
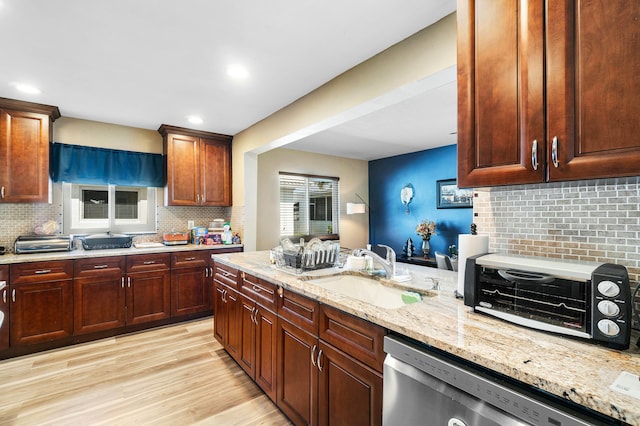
(147, 62)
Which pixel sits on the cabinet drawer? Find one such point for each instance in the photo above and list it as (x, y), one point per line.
(34, 272)
(260, 291)
(225, 275)
(148, 262)
(354, 336)
(299, 310)
(189, 259)
(99, 266)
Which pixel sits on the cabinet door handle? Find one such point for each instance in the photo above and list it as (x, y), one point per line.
(319, 359)
(2, 192)
(122, 281)
(13, 295)
(554, 151)
(42, 271)
(129, 282)
(313, 355)
(100, 266)
(149, 262)
(206, 272)
(197, 198)
(4, 296)
(534, 155)
(224, 296)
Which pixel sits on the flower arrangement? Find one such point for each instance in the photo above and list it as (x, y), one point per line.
(425, 229)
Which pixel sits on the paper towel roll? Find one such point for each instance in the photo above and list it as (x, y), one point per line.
(469, 245)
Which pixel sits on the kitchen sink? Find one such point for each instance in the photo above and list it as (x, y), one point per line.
(362, 288)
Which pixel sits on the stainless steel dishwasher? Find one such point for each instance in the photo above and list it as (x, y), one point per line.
(422, 387)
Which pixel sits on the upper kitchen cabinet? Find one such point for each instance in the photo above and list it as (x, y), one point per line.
(198, 167)
(547, 93)
(25, 133)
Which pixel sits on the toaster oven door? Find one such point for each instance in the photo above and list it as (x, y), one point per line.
(536, 297)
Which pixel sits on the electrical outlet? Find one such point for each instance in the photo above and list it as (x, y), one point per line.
(190, 224)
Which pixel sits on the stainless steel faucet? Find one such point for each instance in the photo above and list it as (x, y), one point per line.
(388, 264)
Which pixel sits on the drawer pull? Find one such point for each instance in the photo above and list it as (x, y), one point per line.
(256, 289)
(100, 266)
(189, 259)
(43, 271)
(149, 262)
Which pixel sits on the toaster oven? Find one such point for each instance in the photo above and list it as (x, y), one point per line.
(586, 300)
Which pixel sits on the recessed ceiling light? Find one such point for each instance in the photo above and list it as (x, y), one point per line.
(238, 72)
(26, 88)
(194, 119)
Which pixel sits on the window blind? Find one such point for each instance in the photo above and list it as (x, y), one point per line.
(309, 205)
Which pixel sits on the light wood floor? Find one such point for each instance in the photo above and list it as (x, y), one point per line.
(177, 375)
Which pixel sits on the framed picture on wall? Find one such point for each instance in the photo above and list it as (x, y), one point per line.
(449, 196)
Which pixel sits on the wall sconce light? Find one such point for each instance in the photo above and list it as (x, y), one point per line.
(355, 208)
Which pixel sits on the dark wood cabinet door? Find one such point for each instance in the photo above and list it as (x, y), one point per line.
(266, 342)
(233, 344)
(593, 89)
(189, 291)
(216, 172)
(247, 358)
(349, 392)
(148, 296)
(41, 312)
(24, 157)
(4, 306)
(99, 303)
(297, 377)
(220, 314)
(183, 170)
(500, 92)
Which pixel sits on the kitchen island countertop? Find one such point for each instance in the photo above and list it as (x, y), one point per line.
(576, 370)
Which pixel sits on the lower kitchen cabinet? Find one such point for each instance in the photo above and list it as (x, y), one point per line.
(4, 307)
(297, 378)
(41, 302)
(99, 294)
(148, 291)
(350, 393)
(258, 332)
(190, 273)
(227, 322)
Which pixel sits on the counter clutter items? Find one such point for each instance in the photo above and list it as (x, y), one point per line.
(573, 370)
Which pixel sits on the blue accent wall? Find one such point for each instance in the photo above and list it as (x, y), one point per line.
(390, 224)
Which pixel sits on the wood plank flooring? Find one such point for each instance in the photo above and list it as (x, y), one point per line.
(175, 375)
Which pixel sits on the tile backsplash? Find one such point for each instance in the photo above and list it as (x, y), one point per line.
(594, 220)
(21, 219)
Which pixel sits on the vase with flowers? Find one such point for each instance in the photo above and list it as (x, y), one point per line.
(426, 229)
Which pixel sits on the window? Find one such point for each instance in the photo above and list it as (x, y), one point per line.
(101, 208)
(309, 205)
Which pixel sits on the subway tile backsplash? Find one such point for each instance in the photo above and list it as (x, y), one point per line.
(594, 220)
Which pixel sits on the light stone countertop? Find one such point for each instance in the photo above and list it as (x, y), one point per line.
(576, 370)
(82, 254)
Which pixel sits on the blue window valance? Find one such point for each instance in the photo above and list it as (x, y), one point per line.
(101, 166)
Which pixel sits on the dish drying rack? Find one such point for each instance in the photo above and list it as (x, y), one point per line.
(316, 254)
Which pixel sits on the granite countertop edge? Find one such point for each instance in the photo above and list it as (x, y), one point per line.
(10, 258)
(576, 370)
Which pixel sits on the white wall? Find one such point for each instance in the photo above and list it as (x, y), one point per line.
(354, 179)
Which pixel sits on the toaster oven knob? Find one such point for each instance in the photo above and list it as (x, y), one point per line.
(608, 308)
(608, 327)
(608, 288)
